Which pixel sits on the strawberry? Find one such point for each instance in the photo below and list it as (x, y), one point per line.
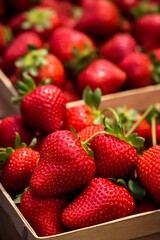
(114, 157)
(158, 133)
(81, 116)
(148, 171)
(103, 74)
(18, 168)
(19, 47)
(70, 91)
(139, 70)
(99, 202)
(8, 128)
(40, 65)
(5, 37)
(43, 214)
(64, 165)
(44, 108)
(88, 131)
(41, 20)
(125, 6)
(156, 52)
(147, 31)
(94, 21)
(118, 47)
(72, 47)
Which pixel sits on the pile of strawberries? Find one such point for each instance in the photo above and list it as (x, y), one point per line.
(69, 168)
(113, 45)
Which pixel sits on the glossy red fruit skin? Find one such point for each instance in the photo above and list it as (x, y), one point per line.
(16, 172)
(78, 117)
(95, 22)
(138, 68)
(43, 214)
(148, 170)
(19, 47)
(99, 202)
(103, 74)
(44, 108)
(8, 128)
(147, 31)
(114, 157)
(64, 165)
(88, 131)
(65, 39)
(118, 47)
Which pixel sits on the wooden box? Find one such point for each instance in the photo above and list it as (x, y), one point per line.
(144, 226)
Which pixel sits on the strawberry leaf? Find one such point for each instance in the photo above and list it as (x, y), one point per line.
(135, 140)
(136, 189)
(92, 98)
(33, 143)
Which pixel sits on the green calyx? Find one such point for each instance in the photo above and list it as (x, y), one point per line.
(18, 197)
(156, 68)
(8, 34)
(93, 100)
(143, 8)
(30, 62)
(24, 87)
(81, 59)
(135, 188)
(38, 18)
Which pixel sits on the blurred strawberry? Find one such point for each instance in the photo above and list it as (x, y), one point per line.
(139, 70)
(96, 22)
(118, 47)
(158, 133)
(147, 31)
(100, 201)
(156, 53)
(103, 74)
(74, 48)
(41, 20)
(43, 214)
(18, 48)
(41, 65)
(70, 91)
(64, 165)
(125, 6)
(8, 128)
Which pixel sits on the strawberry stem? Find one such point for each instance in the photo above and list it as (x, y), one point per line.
(153, 127)
(144, 115)
(113, 112)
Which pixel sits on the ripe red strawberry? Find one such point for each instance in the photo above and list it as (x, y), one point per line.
(40, 65)
(88, 131)
(158, 133)
(41, 20)
(118, 47)
(81, 116)
(103, 74)
(44, 108)
(139, 70)
(17, 170)
(147, 31)
(64, 165)
(70, 91)
(114, 157)
(5, 37)
(72, 47)
(19, 47)
(43, 214)
(99, 202)
(96, 22)
(8, 128)
(148, 169)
